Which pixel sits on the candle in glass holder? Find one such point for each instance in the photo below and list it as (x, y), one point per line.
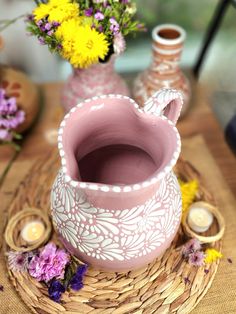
(199, 219)
(32, 231)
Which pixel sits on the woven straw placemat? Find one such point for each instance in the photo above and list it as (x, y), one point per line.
(167, 285)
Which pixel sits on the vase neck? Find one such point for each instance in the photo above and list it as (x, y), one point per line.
(167, 48)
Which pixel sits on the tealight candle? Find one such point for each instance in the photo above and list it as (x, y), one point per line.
(199, 219)
(33, 231)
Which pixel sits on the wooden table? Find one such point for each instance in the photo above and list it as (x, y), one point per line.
(42, 139)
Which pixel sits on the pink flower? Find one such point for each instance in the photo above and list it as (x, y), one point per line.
(190, 247)
(196, 258)
(119, 44)
(49, 264)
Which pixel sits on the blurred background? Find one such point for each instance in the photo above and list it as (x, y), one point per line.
(218, 71)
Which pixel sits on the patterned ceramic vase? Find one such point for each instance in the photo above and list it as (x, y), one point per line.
(164, 71)
(99, 79)
(116, 202)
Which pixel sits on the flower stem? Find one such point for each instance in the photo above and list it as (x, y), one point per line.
(7, 23)
(3, 175)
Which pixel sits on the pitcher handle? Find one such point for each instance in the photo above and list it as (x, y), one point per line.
(167, 102)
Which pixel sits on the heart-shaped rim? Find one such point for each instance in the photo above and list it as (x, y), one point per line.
(111, 188)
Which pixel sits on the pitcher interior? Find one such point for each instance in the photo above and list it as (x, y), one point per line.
(112, 143)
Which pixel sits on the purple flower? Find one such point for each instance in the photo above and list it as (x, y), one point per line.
(13, 121)
(55, 290)
(42, 28)
(76, 282)
(100, 28)
(99, 16)
(49, 264)
(18, 261)
(81, 270)
(39, 23)
(48, 26)
(5, 135)
(29, 18)
(191, 246)
(196, 258)
(41, 40)
(55, 24)
(88, 12)
(115, 28)
(59, 46)
(50, 33)
(119, 43)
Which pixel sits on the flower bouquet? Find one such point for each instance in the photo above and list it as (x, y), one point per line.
(87, 34)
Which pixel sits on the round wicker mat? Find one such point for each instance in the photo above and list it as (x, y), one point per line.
(167, 285)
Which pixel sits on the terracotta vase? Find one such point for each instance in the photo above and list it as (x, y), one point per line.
(164, 71)
(116, 203)
(18, 85)
(99, 79)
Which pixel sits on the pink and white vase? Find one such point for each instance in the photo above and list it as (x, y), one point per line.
(164, 70)
(98, 79)
(116, 203)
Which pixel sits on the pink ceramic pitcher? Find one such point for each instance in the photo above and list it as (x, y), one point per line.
(116, 202)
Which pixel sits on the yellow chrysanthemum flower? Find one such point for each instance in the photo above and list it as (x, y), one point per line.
(188, 191)
(57, 10)
(41, 11)
(90, 45)
(66, 34)
(212, 255)
(81, 45)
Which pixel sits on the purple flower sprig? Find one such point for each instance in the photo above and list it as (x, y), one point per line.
(10, 118)
(45, 32)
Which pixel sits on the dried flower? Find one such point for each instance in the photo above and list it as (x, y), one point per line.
(206, 271)
(229, 260)
(212, 255)
(190, 247)
(1, 288)
(76, 282)
(18, 261)
(196, 258)
(119, 43)
(186, 280)
(49, 264)
(55, 290)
